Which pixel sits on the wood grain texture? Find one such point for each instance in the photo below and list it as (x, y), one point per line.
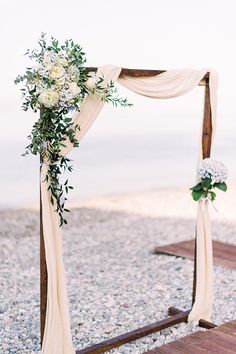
(207, 125)
(220, 340)
(224, 254)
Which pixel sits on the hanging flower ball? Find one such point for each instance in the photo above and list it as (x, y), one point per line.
(214, 170)
(212, 174)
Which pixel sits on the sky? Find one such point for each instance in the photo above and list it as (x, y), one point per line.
(142, 34)
(151, 34)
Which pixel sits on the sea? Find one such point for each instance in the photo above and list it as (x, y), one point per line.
(152, 145)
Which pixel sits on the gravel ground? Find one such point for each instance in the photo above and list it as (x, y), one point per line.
(115, 283)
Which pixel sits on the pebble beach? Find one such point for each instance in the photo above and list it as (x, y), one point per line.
(115, 282)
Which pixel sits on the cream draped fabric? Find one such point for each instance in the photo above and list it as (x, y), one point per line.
(57, 336)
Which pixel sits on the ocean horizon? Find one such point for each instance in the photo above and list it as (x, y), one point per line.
(114, 164)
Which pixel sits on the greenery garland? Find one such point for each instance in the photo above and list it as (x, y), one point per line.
(56, 86)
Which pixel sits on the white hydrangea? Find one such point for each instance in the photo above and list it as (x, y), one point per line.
(73, 90)
(49, 98)
(48, 59)
(213, 169)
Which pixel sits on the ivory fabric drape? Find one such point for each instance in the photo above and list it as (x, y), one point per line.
(57, 337)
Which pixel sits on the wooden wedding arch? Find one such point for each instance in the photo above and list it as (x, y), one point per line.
(175, 315)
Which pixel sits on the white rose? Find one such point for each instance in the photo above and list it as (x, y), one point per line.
(74, 89)
(57, 71)
(49, 98)
(62, 61)
(91, 82)
(60, 82)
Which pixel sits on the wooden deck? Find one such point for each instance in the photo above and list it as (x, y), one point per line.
(220, 340)
(224, 254)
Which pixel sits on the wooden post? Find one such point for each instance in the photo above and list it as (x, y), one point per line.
(43, 273)
(206, 152)
(207, 124)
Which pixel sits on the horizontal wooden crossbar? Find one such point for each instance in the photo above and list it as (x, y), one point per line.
(180, 316)
(146, 72)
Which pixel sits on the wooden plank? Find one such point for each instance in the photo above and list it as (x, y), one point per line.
(228, 326)
(136, 334)
(209, 342)
(224, 254)
(178, 346)
(182, 346)
(220, 340)
(163, 350)
(228, 339)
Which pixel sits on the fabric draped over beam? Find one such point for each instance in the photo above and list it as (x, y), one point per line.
(57, 335)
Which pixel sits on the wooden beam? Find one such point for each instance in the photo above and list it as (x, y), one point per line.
(145, 72)
(207, 125)
(43, 277)
(136, 334)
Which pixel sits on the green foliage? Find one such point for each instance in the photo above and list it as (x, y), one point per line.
(56, 86)
(204, 189)
(222, 186)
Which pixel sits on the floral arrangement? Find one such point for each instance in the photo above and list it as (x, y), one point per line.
(212, 174)
(56, 85)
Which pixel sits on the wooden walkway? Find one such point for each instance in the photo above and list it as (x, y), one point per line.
(224, 254)
(220, 340)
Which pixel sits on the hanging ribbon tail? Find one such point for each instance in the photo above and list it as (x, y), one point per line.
(57, 337)
(202, 307)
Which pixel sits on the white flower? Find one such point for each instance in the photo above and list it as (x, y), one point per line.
(62, 61)
(91, 82)
(60, 82)
(49, 98)
(72, 70)
(213, 169)
(74, 89)
(57, 72)
(48, 59)
(65, 96)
